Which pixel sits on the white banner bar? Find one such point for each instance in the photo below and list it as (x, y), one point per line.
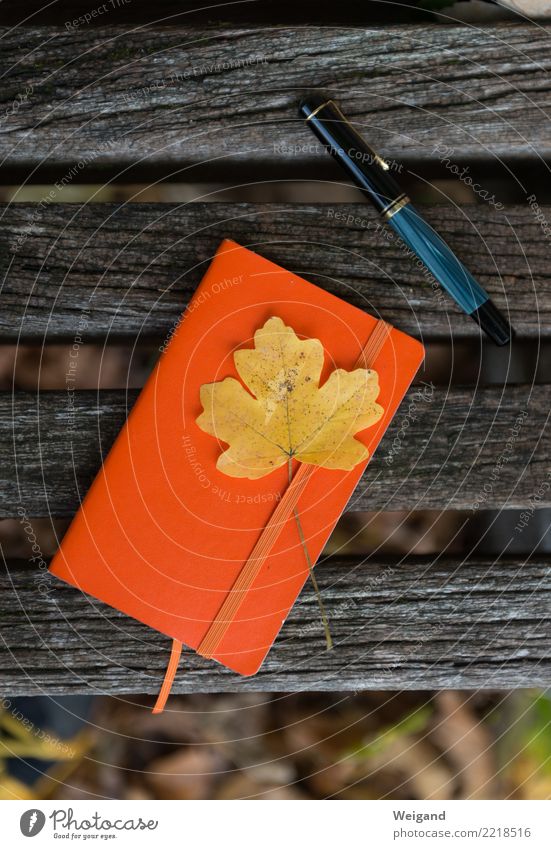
(277, 824)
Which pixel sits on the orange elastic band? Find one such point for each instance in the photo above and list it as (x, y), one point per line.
(277, 521)
(252, 567)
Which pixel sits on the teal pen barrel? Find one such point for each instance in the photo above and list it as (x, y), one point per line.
(448, 270)
(438, 257)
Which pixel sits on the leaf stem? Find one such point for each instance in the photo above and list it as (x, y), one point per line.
(324, 619)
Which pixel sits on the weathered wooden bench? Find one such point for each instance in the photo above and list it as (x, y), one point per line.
(218, 103)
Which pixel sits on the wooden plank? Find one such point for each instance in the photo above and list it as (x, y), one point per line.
(421, 624)
(461, 448)
(124, 272)
(176, 97)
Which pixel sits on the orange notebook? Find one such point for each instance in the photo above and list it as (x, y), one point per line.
(164, 535)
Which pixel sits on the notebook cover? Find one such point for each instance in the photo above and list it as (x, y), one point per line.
(161, 534)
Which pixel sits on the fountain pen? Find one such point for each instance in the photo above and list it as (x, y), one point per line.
(371, 174)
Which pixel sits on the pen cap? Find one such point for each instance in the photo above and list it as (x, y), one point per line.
(366, 168)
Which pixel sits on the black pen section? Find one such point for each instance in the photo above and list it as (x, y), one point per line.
(492, 322)
(365, 167)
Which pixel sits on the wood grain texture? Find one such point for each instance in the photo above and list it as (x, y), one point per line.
(107, 271)
(177, 97)
(420, 624)
(461, 448)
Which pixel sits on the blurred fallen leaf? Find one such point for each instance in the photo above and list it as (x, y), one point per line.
(188, 773)
(422, 773)
(467, 744)
(525, 745)
(19, 739)
(243, 786)
(11, 788)
(412, 723)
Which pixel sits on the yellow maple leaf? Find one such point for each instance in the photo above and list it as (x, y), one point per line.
(286, 414)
